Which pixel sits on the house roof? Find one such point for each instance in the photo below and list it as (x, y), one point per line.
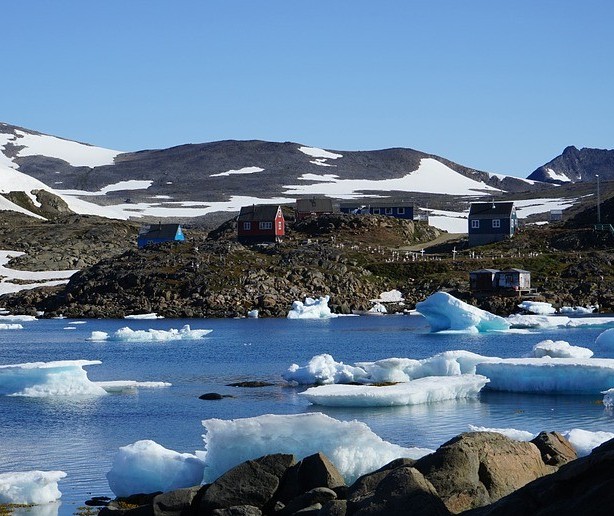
(485, 209)
(314, 204)
(258, 212)
(485, 271)
(159, 231)
(516, 270)
(387, 203)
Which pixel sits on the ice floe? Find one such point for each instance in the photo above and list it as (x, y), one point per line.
(445, 312)
(351, 445)
(423, 390)
(578, 310)
(557, 321)
(144, 316)
(114, 386)
(311, 309)
(559, 349)
(253, 314)
(127, 334)
(146, 466)
(30, 487)
(11, 326)
(537, 307)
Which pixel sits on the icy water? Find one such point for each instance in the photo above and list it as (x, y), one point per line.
(81, 436)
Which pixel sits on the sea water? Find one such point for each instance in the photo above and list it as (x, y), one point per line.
(81, 435)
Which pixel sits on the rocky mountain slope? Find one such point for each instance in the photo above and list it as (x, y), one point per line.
(577, 165)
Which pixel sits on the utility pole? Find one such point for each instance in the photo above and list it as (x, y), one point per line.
(598, 201)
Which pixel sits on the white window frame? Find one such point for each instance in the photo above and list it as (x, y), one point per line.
(496, 223)
(400, 211)
(475, 224)
(247, 226)
(388, 211)
(265, 225)
(375, 211)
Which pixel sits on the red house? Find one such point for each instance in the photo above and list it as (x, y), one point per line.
(260, 223)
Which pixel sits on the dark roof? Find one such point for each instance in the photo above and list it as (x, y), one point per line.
(515, 270)
(386, 203)
(491, 208)
(258, 212)
(314, 204)
(159, 231)
(485, 271)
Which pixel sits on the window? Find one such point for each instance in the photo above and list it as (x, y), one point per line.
(388, 211)
(266, 225)
(401, 211)
(475, 224)
(247, 226)
(375, 211)
(496, 223)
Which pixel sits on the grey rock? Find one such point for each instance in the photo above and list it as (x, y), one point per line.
(334, 508)
(318, 495)
(175, 503)
(554, 448)
(238, 510)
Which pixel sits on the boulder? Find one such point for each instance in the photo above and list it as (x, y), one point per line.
(318, 471)
(404, 489)
(318, 495)
(366, 484)
(238, 510)
(175, 503)
(582, 486)
(478, 468)
(253, 483)
(334, 508)
(555, 449)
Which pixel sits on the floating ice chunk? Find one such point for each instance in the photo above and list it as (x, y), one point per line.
(146, 467)
(608, 398)
(605, 340)
(578, 310)
(30, 487)
(43, 379)
(311, 309)
(537, 307)
(392, 296)
(562, 375)
(445, 312)
(378, 308)
(128, 335)
(11, 326)
(559, 349)
(585, 441)
(415, 392)
(512, 433)
(557, 321)
(17, 318)
(322, 369)
(130, 385)
(144, 316)
(351, 445)
(253, 314)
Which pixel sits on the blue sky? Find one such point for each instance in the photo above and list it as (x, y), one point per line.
(498, 86)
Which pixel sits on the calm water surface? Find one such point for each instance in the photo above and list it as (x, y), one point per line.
(81, 436)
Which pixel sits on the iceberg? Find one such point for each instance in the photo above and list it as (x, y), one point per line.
(444, 312)
(559, 349)
(11, 326)
(391, 296)
(608, 398)
(557, 321)
(129, 335)
(253, 314)
(561, 375)
(605, 340)
(537, 307)
(30, 487)
(152, 315)
(321, 370)
(378, 308)
(311, 309)
(578, 310)
(423, 390)
(43, 379)
(351, 445)
(146, 466)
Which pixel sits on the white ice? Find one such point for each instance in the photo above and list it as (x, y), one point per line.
(445, 312)
(241, 171)
(144, 316)
(44, 379)
(11, 326)
(253, 314)
(30, 487)
(557, 321)
(512, 433)
(351, 445)
(323, 369)
(577, 310)
(423, 390)
(537, 307)
(378, 308)
(605, 340)
(608, 398)
(559, 349)
(311, 309)
(115, 386)
(146, 466)
(129, 335)
(556, 176)
(314, 152)
(391, 296)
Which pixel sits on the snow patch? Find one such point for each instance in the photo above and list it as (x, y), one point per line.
(550, 173)
(244, 170)
(314, 152)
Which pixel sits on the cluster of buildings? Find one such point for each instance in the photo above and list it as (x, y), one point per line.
(487, 221)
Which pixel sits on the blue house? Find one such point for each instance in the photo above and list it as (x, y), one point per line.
(491, 222)
(390, 208)
(158, 233)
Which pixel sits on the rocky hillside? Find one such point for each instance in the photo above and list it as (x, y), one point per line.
(577, 165)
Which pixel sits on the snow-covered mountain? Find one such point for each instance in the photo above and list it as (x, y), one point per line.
(199, 179)
(577, 165)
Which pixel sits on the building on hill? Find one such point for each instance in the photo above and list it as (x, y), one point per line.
(495, 281)
(482, 280)
(260, 223)
(491, 222)
(158, 233)
(389, 207)
(313, 207)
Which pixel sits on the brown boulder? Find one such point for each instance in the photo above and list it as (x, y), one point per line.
(555, 449)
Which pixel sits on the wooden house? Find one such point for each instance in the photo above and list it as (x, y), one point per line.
(313, 207)
(491, 222)
(482, 280)
(158, 233)
(391, 208)
(518, 280)
(260, 223)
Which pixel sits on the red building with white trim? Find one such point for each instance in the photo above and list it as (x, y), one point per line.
(260, 223)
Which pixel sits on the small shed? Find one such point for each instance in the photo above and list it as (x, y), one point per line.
(483, 279)
(513, 279)
(313, 207)
(260, 223)
(158, 233)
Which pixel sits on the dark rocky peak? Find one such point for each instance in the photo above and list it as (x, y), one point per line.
(577, 165)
